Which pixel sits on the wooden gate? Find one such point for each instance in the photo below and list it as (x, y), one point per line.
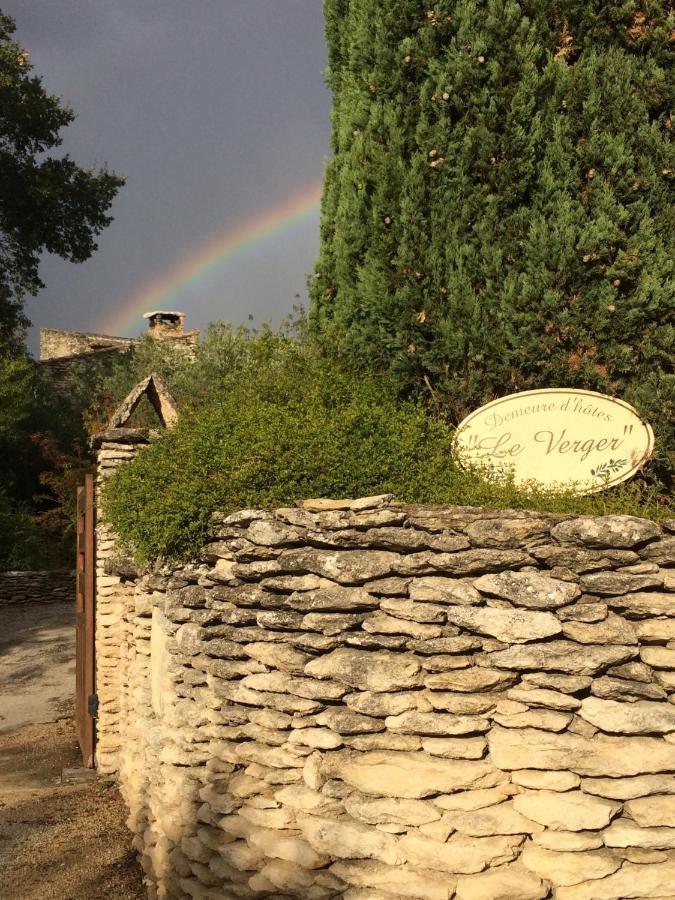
(85, 693)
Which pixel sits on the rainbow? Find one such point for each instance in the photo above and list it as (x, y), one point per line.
(162, 291)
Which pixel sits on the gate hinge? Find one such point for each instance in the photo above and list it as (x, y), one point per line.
(92, 705)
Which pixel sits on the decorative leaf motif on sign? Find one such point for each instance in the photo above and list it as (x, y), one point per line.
(604, 470)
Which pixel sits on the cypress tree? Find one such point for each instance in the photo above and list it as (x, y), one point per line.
(497, 212)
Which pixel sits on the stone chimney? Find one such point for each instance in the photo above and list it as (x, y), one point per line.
(165, 325)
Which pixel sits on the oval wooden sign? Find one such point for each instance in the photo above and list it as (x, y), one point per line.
(558, 437)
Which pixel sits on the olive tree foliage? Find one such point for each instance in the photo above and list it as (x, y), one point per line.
(47, 202)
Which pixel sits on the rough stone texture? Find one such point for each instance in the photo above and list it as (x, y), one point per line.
(37, 587)
(369, 700)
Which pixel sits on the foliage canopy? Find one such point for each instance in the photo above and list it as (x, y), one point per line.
(47, 202)
(272, 421)
(497, 213)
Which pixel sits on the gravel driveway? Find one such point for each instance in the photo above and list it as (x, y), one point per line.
(57, 841)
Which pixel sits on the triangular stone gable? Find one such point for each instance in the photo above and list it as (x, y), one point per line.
(154, 387)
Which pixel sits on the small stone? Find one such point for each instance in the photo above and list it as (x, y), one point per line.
(632, 671)
(331, 623)
(492, 820)
(343, 721)
(620, 532)
(613, 583)
(455, 747)
(546, 719)
(333, 599)
(469, 680)
(344, 566)
(546, 781)
(461, 854)
(569, 868)
(304, 799)
(435, 589)
(505, 533)
(462, 703)
(380, 623)
(528, 589)
(569, 841)
(385, 741)
(282, 683)
(562, 656)
(414, 722)
(613, 630)
(350, 839)
(641, 717)
(408, 775)
(597, 756)
(542, 697)
(658, 657)
(382, 704)
(650, 812)
(569, 811)
(460, 644)
(417, 612)
(379, 671)
(661, 552)
(569, 684)
(409, 882)
(624, 833)
(390, 810)
(318, 738)
(622, 689)
(509, 625)
(628, 788)
(388, 587)
(287, 846)
(467, 801)
(512, 882)
(640, 604)
(583, 612)
(445, 663)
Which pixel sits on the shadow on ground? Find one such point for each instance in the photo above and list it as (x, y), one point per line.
(60, 841)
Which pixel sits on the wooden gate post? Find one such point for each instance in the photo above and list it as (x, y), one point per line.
(85, 602)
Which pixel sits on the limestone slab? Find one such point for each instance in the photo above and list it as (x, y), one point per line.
(570, 811)
(641, 717)
(528, 589)
(461, 854)
(379, 671)
(616, 532)
(510, 882)
(598, 756)
(560, 656)
(509, 625)
(408, 775)
(350, 839)
(569, 868)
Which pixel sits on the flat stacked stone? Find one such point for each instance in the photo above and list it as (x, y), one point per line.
(365, 699)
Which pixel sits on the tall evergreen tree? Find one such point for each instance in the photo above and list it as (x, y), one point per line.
(497, 212)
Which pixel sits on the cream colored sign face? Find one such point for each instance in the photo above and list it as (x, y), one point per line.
(557, 438)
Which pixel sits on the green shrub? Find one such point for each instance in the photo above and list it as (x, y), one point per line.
(282, 425)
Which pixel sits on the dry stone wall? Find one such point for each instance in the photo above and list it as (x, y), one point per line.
(372, 700)
(56, 586)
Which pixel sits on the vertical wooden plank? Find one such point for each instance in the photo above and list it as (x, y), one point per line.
(89, 615)
(85, 686)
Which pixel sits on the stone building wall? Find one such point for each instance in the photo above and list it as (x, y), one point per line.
(37, 587)
(371, 700)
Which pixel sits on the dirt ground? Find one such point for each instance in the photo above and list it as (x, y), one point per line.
(58, 841)
(37, 663)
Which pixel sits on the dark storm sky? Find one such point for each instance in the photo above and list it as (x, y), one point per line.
(216, 112)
